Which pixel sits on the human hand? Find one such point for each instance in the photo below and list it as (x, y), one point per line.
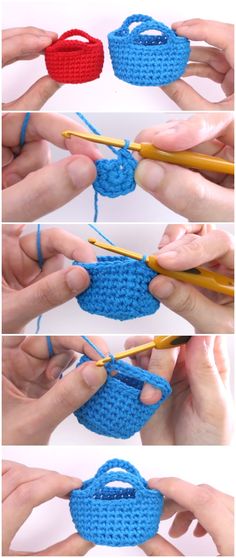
(35, 400)
(195, 195)
(215, 62)
(183, 247)
(27, 291)
(27, 43)
(29, 177)
(25, 488)
(213, 510)
(199, 411)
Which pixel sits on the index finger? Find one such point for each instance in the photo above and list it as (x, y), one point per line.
(37, 347)
(215, 33)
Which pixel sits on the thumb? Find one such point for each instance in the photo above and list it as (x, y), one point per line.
(158, 546)
(45, 294)
(21, 46)
(70, 393)
(36, 96)
(36, 195)
(72, 546)
(205, 315)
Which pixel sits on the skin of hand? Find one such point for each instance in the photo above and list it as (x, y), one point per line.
(214, 61)
(183, 247)
(213, 510)
(35, 398)
(27, 291)
(27, 43)
(29, 177)
(200, 409)
(204, 196)
(25, 488)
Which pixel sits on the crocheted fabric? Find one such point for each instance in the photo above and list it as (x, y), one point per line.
(147, 59)
(116, 410)
(113, 515)
(74, 61)
(115, 177)
(118, 288)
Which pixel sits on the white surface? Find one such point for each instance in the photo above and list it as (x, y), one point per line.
(136, 206)
(99, 17)
(70, 318)
(70, 432)
(51, 521)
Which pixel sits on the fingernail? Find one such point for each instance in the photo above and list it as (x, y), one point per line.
(166, 257)
(164, 240)
(55, 372)
(77, 279)
(162, 287)
(12, 179)
(150, 395)
(149, 175)
(81, 172)
(167, 131)
(93, 375)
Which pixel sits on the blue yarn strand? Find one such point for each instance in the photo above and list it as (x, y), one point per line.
(95, 218)
(39, 249)
(50, 347)
(24, 129)
(101, 234)
(38, 324)
(94, 130)
(93, 345)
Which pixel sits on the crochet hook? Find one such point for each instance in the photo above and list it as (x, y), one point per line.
(160, 342)
(198, 276)
(189, 159)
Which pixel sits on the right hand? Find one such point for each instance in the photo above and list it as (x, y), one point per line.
(213, 510)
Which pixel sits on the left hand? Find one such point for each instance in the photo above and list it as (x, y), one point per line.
(199, 411)
(25, 488)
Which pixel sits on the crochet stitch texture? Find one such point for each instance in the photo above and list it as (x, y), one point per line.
(115, 177)
(116, 410)
(113, 515)
(143, 59)
(118, 288)
(74, 61)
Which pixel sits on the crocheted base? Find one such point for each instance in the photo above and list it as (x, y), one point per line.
(116, 410)
(118, 288)
(115, 177)
(116, 516)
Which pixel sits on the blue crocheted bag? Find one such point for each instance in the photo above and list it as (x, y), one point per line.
(116, 515)
(118, 288)
(143, 59)
(116, 410)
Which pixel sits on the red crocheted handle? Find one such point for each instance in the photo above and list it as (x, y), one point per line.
(79, 32)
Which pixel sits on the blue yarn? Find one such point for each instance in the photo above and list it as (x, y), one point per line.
(115, 177)
(39, 248)
(118, 288)
(24, 129)
(113, 515)
(50, 347)
(92, 345)
(38, 323)
(116, 410)
(101, 234)
(143, 59)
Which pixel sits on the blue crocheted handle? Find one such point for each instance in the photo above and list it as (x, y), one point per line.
(135, 18)
(148, 377)
(103, 480)
(115, 464)
(148, 24)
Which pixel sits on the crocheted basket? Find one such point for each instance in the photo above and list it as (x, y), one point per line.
(116, 410)
(74, 61)
(143, 59)
(116, 515)
(118, 288)
(115, 177)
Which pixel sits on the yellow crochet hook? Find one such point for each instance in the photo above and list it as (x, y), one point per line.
(188, 159)
(160, 342)
(198, 276)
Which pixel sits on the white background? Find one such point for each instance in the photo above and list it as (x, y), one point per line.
(99, 17)
(136, 206)
(70, 318)
(51, 521)
(71, 432)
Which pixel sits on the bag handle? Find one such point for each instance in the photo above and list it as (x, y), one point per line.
(106, 478)
(135, 18)
(117, 463)
(154, 25)
(149, 378)
(75, 32)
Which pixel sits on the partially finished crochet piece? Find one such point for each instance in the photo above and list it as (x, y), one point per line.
(116, 410)
(75, 61)
(116, 515)
(118, 288)
(144, 59)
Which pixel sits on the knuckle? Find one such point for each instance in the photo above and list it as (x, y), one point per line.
(24, 494)
(225, 238)
(204, 495)
(47, 294)
(186, 302)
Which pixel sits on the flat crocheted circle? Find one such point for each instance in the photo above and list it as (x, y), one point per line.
(74, 61)
(113, 515)
(115, 177)
(116, 410)
(118, 288)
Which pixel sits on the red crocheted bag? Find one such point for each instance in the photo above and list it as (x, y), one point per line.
(74, 61)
